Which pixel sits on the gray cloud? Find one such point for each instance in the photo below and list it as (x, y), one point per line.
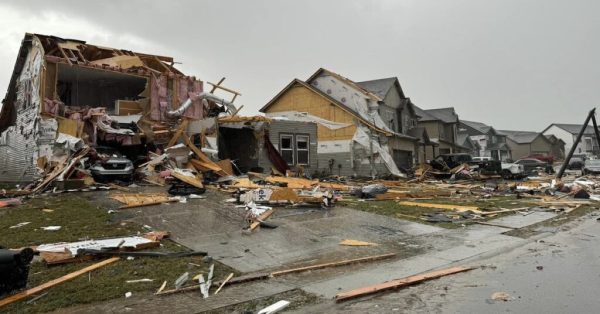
(512, 64)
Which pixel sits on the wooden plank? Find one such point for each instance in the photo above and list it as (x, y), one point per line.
(178, 133)
(333, 264)
(224, 282)
(398, 283)
(57, 281)
(460, 208)
(147, 204)
(224, 88)
(214, 87)
(262, 217)
(187, 179)
(205, 161)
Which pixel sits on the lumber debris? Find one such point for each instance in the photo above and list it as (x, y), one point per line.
(349, 242)
(29, 292)
(459, 208)
(398, 283)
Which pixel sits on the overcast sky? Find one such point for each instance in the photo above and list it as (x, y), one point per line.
(513, 64)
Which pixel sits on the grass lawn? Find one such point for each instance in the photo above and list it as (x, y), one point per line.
(414, 213)
(80, 220)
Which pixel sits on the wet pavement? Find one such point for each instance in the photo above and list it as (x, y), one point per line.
(556, 274)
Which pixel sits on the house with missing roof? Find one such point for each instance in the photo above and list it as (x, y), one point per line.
(441, 125)
(363, 129)
(492, 144)
(558, 146)
(525, 143)
(568, 134)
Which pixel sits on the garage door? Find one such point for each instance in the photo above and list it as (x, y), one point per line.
(403, 158)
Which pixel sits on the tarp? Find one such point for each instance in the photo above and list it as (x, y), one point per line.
(362, 138)
(306, 117)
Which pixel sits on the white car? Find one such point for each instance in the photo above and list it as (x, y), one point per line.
(512, 171)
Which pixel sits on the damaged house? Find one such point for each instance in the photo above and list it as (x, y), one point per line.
(441, 125)
(362, 128)
(491, 142)
(102, 96)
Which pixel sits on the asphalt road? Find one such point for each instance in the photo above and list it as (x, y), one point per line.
(557, 274)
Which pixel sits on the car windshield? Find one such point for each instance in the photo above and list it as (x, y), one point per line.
(108, 151)
(595, 162)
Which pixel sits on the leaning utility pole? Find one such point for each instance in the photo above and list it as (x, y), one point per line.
(592, 116)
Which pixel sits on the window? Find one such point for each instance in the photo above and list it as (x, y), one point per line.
(286, 148)
(295, 149)
(302, 152)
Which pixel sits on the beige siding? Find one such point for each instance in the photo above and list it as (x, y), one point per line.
(301, 99)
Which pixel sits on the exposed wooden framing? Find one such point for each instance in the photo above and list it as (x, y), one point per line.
(62, 51)
(178, 132)
(214, 87)
(57, 281)
(237, 110)
(224, 88)
(398, 283)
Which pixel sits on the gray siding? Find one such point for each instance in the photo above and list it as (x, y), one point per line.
(296, 128)
(343, 159)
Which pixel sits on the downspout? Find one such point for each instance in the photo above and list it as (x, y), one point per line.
(205, 97)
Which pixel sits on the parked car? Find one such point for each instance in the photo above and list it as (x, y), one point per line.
(531, 165)
(511, 170)
(575, 163)
(591, 166)
(448, 161)
(543, 157)
(109, 164)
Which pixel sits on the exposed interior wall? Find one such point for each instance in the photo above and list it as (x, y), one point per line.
(19, 143)
(81, 86)
(241, 145)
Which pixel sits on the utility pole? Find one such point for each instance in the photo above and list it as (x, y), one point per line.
(591, 115)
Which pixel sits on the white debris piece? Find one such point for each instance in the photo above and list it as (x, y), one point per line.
(275, 307)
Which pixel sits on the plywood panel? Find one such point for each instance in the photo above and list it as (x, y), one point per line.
(302, 99)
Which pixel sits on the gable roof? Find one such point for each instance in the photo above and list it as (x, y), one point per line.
(381, 87)
(345, 80)
(423, 115)
(521, 137)
(445, 115)
(478, 126)
(571, 128)
(328, 98)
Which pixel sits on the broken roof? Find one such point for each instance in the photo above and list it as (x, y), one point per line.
(521, 137)
(478, 126)
(327, 97)
(345, 80)
(381, 87)
(571, 128)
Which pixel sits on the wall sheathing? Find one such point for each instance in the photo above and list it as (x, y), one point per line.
(20, 143)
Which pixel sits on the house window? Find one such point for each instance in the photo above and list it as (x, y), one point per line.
(286, 148)
(302, 152)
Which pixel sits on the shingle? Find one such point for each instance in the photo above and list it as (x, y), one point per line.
(379, 87)
(521, 137)
(574, 128)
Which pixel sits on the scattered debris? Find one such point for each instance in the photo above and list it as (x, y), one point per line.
(182, 280)
(52, 228)
(19, 225)
(500, 296)
(398, 283)
(57, 281)
(224, 282)
(349, 242)
(275, 307)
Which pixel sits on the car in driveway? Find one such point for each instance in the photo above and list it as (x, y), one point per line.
(532, 165)
(542, 157)
(109, 164)
(576, 163)
(591, 166)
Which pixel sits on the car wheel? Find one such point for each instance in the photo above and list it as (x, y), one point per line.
(506, 174)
